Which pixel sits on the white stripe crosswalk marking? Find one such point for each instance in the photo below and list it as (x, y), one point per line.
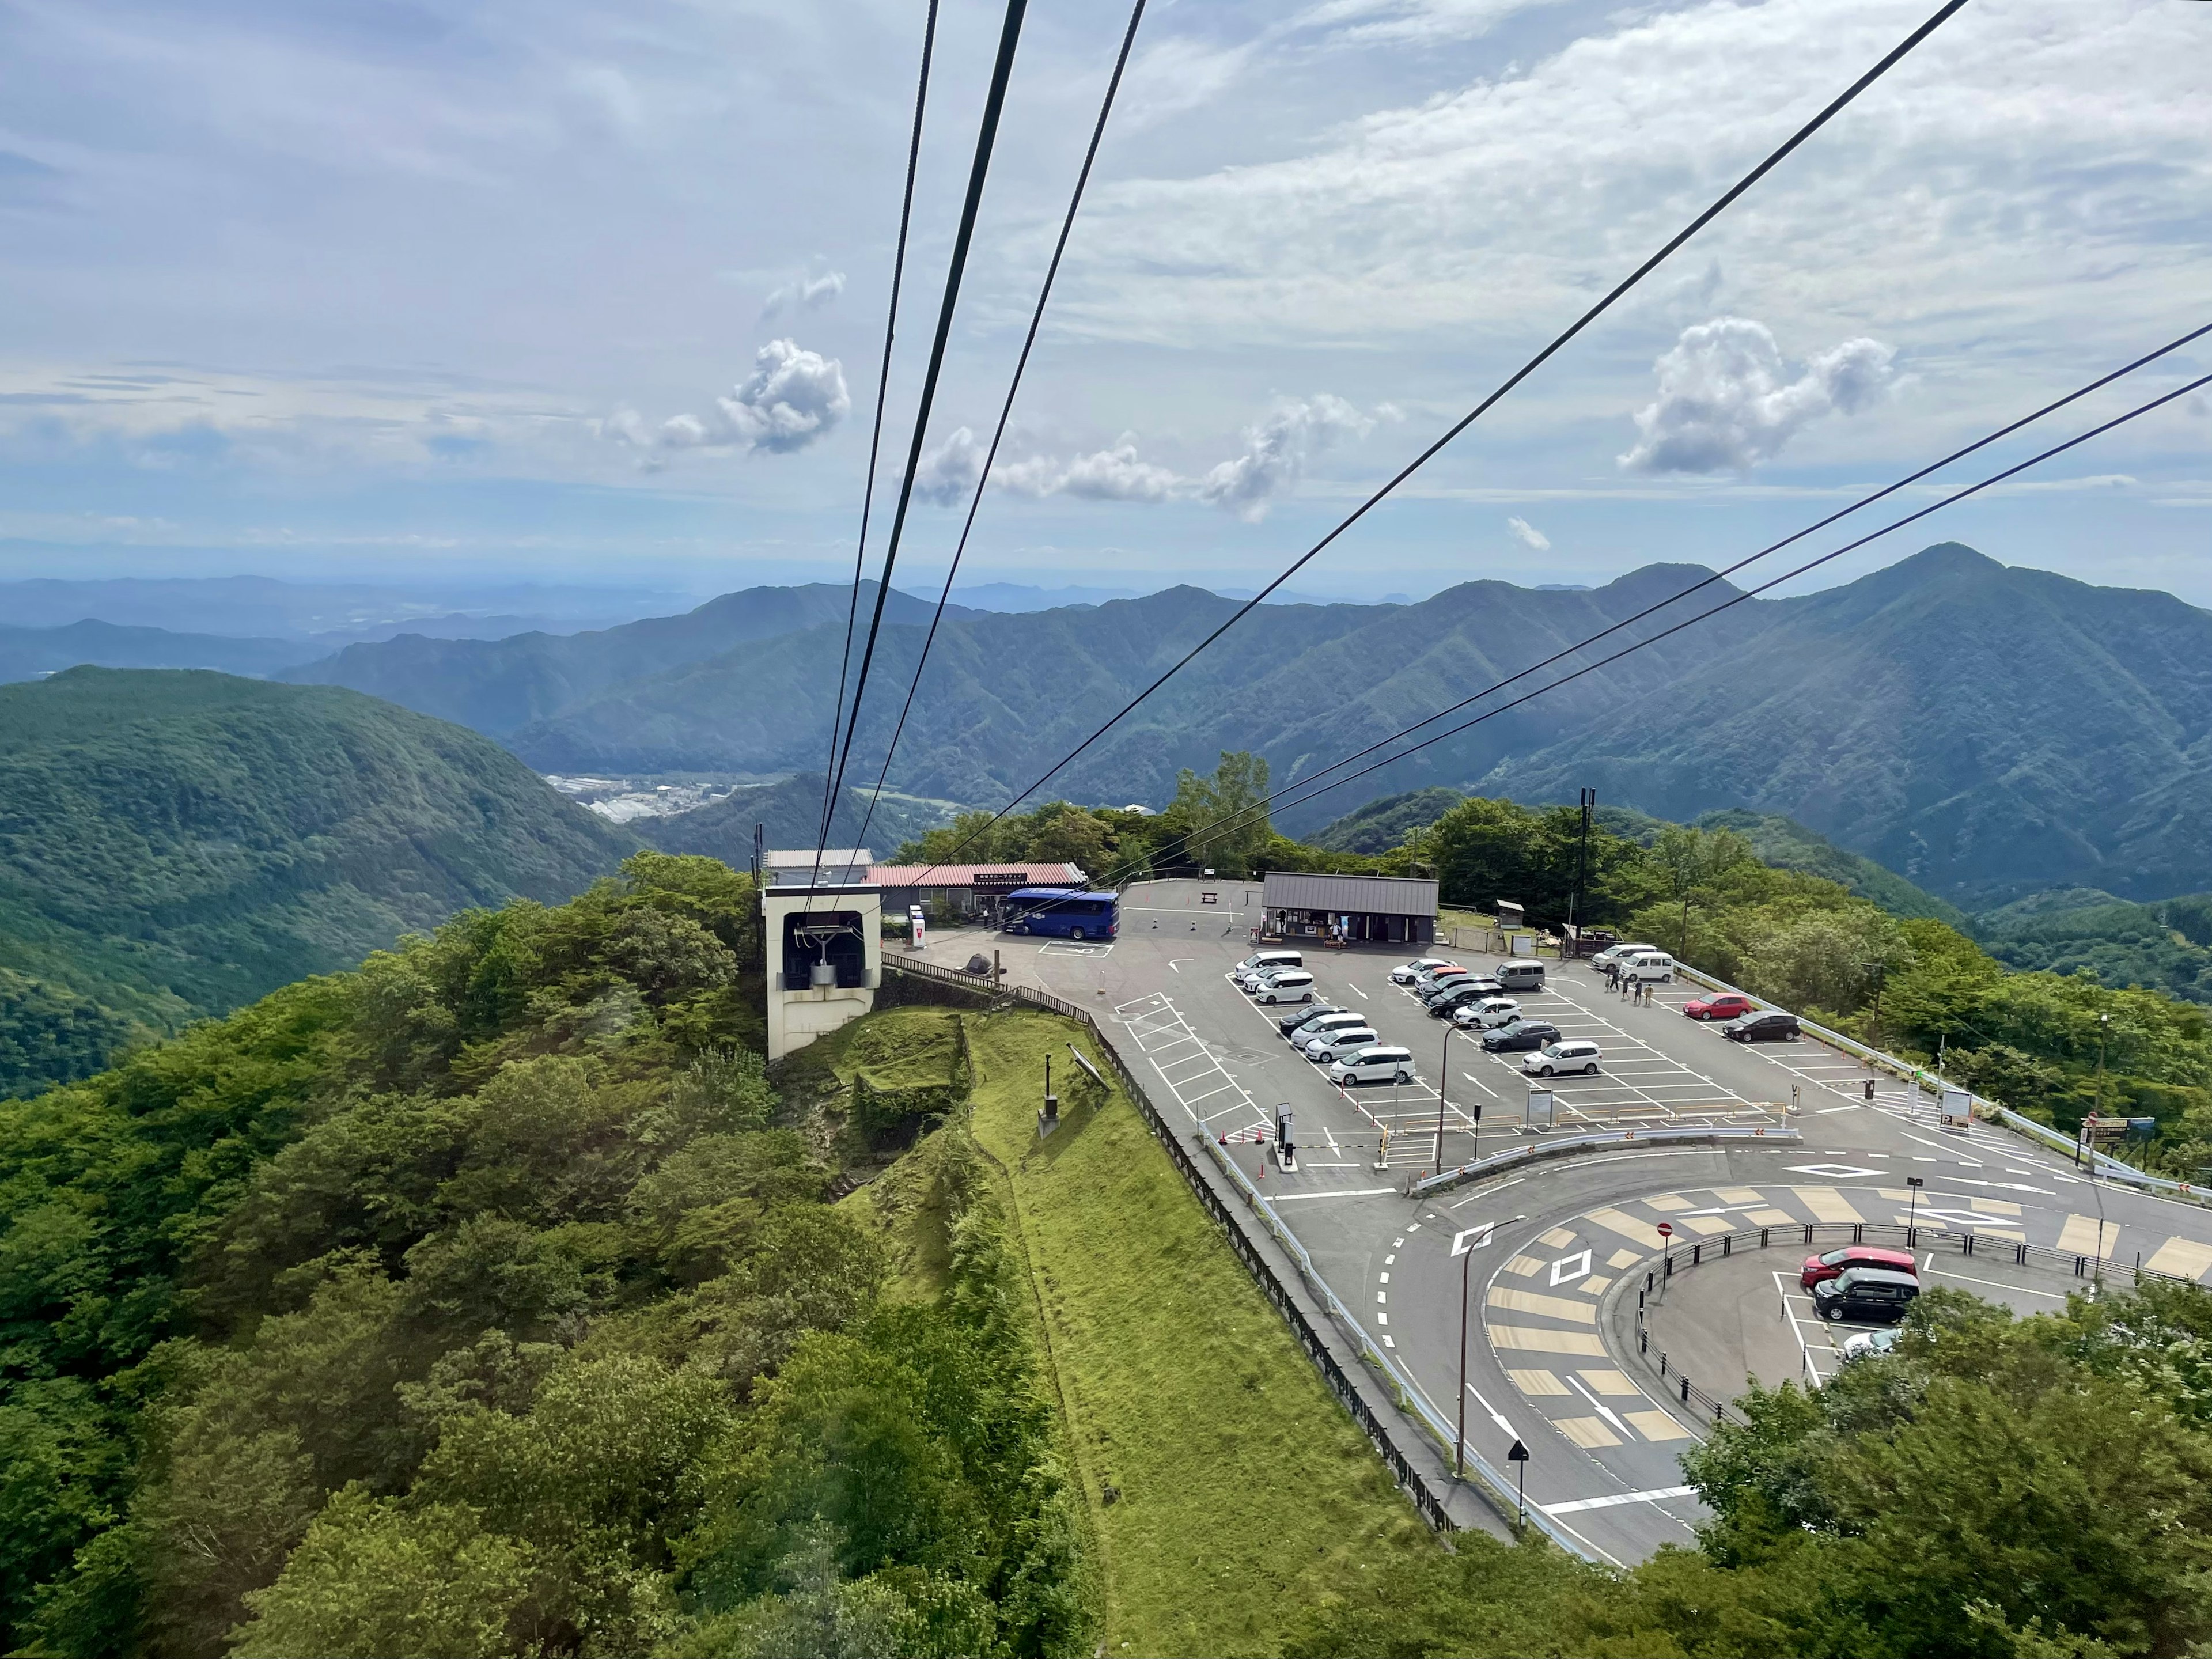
(2183, 1256)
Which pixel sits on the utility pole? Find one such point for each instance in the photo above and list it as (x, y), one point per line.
(1444, 1086)
(1459, 1440)
(1589, 803)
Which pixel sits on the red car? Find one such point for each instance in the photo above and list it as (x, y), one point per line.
(1725, 1005)
(1829, 1263)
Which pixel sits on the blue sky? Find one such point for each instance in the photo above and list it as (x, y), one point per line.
(591, 293)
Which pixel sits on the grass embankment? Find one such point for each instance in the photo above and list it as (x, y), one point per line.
(1227, 1488)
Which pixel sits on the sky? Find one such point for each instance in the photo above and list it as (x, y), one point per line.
(595, 294)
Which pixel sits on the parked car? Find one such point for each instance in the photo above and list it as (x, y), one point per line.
(1346, 1040)
(1343, 1019)
(1877, 1294)
(1829, 1263)
(1378, 1065)
(1869, 1344)
(1521, 1034)
(1615, 952)
(1275, 958)
(1521, 975)
(1436, 976)
(1268, 976)
(1305, 1015)
(1408, 972)
(1647, 967)
(1448, 994)
(1566, 1055)
(1768, 1025)
(1486, 1011)
(1721, 1005)
(1290, 985)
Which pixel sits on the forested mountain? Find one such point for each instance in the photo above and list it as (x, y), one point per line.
(27, 654)
(1985, 732)
(1005, 695)
(499, 686)
(174, 844)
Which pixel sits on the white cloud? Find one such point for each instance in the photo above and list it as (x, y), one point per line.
(1276, 452)
(1724, 403)
(809, 292)
(948, 473)
(792, 397)
(1118, 475)
(1528, 536)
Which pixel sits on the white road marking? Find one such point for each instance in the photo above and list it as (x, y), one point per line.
(1349, 1192)
(1603, 1409)
(1575, 1506)
(1496, 1416)
(1363, 995)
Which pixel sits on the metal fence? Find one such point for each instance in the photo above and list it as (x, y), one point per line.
(1722, 1246)
(1512, 1157)
(1383, 1432)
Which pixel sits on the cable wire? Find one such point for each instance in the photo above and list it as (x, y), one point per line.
(1005, 409)
(876, 433)
(1310, 788)
(1773, 160)
(987, 135)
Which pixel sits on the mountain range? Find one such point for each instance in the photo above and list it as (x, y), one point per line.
(176, 844)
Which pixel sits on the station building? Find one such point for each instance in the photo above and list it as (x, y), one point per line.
(1360, 909)
(969, 891)
(822, 923)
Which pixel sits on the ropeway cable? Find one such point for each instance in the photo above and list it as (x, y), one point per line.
(876, 433)
(1773, 160)
(1005, 410)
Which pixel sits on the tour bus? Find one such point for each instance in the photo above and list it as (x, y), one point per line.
(1061, 913)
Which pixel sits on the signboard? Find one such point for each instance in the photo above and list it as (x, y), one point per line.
(1209, 898)
(1958, 1108)
(1539, 1114)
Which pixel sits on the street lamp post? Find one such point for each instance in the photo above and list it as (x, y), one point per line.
(1912, 1214)
(1444, 1085)
(1459, 1440)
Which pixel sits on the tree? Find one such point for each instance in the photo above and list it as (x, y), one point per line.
(1689, 861)
(1224, 817)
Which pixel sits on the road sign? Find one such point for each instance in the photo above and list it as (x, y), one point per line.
(1666, 1230)
(1957, 1108)
(1914, 1181)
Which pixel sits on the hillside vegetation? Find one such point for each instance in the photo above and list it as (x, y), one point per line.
(790, 815)
(486, 1301)
(176, 844)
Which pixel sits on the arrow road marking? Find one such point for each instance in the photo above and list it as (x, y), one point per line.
(1494, 1415)
(1601, 1407)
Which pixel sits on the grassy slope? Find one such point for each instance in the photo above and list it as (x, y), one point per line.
(1245, 1490)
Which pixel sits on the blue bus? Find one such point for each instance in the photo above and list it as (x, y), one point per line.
(1061, 913)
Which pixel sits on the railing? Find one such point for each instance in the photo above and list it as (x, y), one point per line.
(2101, 1163)
(1721, 1246)
(1514, 1156)
(1379, 1431)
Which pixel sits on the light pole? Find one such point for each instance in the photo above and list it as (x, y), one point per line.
(1443, 1084)
(1582, 872)
(1459, 1440)
(1912, 1214)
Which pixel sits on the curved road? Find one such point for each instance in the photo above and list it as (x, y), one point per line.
(1546, 1254)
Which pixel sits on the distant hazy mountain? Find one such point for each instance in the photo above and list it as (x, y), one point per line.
(176, 844)
(333, 613)
(27, 654)
(501, 686)
(1984, 731)
(1014, 596)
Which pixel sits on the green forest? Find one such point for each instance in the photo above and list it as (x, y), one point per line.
(489, 1299)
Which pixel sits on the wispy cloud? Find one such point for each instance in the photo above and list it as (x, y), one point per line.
(1528, 536)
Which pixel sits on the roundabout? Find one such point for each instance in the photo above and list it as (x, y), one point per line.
(1551, 1275)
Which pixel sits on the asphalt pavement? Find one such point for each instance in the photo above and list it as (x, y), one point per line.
(1543, 1263)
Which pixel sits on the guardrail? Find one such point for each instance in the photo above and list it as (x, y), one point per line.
(1380, 1433)
(1721, 1246)
(1512, 1157)
(2101, 1163)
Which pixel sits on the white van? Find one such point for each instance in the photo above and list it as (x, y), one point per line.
(1519, 976)
(1334, 1045)
(1647, 968)
(1263, 959)
(1380, 1065)
(1291, 985)
(1620, 953)
(1567, 1054)
(1313, 1028)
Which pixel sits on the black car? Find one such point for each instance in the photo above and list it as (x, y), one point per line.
(1290, 1022)
(1521, 1034)
(1448, 996)
(1881, 1294)
(1768, 1025)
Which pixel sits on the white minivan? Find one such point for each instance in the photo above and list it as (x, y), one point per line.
(1258, 961)
(1346, 1040)
(1486, 1013)
(1379, 1065)
(1567, 1054)
(1290, 985)
(1648, 967)
(1315, 1027)
(1619, 953)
